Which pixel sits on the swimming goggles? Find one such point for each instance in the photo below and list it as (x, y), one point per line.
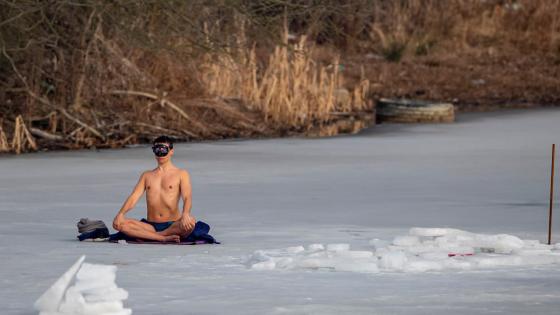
(160, 150)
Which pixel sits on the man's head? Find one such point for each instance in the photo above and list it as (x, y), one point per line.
(163, 148)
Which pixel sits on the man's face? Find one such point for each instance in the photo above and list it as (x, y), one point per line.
(162, 152)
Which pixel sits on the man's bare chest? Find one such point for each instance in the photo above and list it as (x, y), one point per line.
(167, 184)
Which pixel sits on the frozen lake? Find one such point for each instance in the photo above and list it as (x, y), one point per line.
(487, 173)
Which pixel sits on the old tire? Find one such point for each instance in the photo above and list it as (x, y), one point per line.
(414, 111)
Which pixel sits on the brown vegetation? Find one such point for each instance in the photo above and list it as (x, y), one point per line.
(479, 55)
(292, 91)
(105, 74)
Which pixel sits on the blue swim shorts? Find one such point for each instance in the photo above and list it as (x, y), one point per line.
(159, 226)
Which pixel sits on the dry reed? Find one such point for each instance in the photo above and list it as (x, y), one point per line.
(4, 145)
(292, 90)
(22, 139)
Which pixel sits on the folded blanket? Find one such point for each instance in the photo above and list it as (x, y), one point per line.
(95, 234)
(199, 235)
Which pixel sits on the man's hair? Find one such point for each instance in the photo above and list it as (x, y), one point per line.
(164, 139)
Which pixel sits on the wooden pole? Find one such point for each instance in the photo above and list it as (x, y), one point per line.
(551, 196)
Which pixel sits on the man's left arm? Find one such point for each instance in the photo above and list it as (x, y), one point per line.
(187, 220)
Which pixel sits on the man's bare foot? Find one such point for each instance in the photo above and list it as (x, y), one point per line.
(172, 238)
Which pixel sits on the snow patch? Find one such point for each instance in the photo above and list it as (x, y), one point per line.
(422, 250)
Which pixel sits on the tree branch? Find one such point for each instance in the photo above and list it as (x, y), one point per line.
(163, 101)
(45, 135)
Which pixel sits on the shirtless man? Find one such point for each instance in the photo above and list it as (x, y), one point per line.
(164, 186)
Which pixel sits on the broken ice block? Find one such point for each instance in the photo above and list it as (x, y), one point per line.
(50, 300)
(101, 283)
(338, 247)
(116, 294)
(315, 247)
(94, 292)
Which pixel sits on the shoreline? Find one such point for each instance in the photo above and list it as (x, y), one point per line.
(461, 117)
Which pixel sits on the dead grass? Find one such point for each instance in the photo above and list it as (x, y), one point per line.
(416, 27)
(291, 90)
(4, 146)
(22, 139)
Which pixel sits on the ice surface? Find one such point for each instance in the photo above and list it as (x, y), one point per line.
(487, 173)
(95, 271)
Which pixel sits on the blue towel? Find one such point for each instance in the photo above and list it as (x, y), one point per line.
(199, 235)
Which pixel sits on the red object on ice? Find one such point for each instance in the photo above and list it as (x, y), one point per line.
(459, 254)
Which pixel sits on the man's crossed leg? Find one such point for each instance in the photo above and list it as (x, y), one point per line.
(135, 228)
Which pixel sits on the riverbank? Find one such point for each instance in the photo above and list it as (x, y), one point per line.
(120, 73)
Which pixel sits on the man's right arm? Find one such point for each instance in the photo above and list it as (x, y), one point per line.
(130, 201)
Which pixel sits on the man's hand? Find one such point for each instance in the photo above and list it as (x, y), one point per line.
(118, 221)
(187, 223)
